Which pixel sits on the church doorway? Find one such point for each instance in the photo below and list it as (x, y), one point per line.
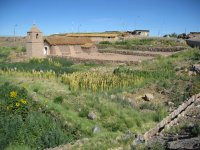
(45, 50)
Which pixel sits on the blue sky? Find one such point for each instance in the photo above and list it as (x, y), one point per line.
(61, 16)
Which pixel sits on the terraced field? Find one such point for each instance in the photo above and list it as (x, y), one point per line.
(88, 105)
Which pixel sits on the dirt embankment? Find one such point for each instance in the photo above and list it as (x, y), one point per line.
(12, 41)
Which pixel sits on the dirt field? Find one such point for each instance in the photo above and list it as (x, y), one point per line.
(118, 57)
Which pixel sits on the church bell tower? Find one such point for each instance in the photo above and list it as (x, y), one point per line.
(34, 43)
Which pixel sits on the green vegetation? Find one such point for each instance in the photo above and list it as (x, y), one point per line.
(56, 65)
(185, 127)
(96, 81)
(6, 53)
(25, 122)
(139, 44)
(196, 130)
(58, 99)
(49, 100)
(172, 35)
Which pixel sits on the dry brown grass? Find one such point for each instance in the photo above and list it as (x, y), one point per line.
(63, 40)
(92, 35)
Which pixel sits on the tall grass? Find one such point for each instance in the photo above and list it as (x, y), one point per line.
(96, 81)
(58, 65)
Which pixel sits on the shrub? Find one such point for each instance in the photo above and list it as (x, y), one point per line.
(38, 130)
(149, 106)
(84, 112)
(24, 122)
(58, 100)
(157, 146)
(115, 124)
(35, 90)
(124, 42)
(14, 100)
(195, 87)
(196, 130)
(105, 42)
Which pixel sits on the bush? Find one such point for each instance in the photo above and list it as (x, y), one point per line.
(115, 124)
(24, 122)
(84, 112)
(35, 90)
(58, 100)
(149, 106)
(38, 130)
(105, 42)
(14, 100)
(157, 146)
(196, 130)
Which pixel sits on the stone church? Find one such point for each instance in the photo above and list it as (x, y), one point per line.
(38, 46)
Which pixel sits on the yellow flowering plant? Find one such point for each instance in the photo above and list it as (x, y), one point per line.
(13, 94)
(14, 100)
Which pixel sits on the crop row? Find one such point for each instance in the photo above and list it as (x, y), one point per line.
(96, 81)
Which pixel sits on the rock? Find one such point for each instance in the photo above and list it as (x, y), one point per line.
(198, 106)
(156, 140)
(186, 70)
(196, 68)
(170, 103)
(178, 68)
(191, 73)
(92, 116)
(171, 109)
(34, 96)
(96, 129)
(138, 140)
(191, 126)
(122, 64)
(192, 143)
(112, 96)
(148, 97)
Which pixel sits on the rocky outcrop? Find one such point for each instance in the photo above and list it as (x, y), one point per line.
(189, 144)
(193, 42)
(196, 68)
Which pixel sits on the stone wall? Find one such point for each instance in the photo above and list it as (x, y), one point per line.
(171, 118)
(100, 39)
(128, 52)
(193, 43)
